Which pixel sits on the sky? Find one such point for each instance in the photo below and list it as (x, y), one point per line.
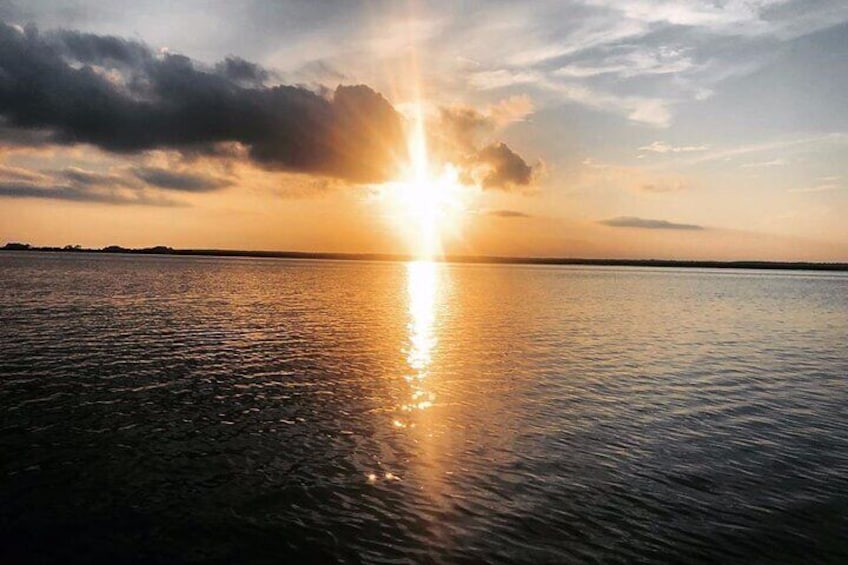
(586, 128)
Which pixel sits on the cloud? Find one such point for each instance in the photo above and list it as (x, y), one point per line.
(74, 180)
(589, 33)
(14, 138)
(512, 109)
(824, 184)
(80, 194)
(508, 214)
(644, 60)
(242, 72)
(8, 173)
(463, 136)
(121, 97)
(784, 144)
(126, 186)
(503, 167)
(642, 223)
(85, 178)
(632, 63)
(182, 181)
(649, 110)
(759, 164)
(459, 129)
(464, 126)
(663, 185)
(662, 147)
(67, 87)
(730, 17)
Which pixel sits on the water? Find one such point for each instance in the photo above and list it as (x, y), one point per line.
(179, 410)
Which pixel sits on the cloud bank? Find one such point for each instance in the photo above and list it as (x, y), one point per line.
(120, 96)
(67, 87)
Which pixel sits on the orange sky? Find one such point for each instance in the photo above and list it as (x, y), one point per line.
(573, 141)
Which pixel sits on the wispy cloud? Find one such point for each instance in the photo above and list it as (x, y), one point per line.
(135, 185)
(762, 164)
(588, 34)
(662, 147)
(179, 180)
(734, 18)
(648, 110)
(644, 223)
(632, 63)
(666, 185)
(822, 184)
(632, 56)
(8, 173)
(78, 194)
(87, 179)
(786, 143)
(508, 214)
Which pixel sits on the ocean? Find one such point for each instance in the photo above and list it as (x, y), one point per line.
(158, 409)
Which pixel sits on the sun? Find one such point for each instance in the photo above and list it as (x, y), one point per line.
(428, 201)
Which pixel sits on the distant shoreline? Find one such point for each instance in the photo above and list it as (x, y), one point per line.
(161, 250)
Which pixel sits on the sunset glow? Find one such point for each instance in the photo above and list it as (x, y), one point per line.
(428, 201)
(431, 129)
(298, 281)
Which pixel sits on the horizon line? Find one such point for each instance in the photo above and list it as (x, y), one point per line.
(450, 258)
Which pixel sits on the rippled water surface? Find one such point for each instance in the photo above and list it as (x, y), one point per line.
(167, 409)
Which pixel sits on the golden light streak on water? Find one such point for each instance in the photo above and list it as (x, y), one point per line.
(422, 291)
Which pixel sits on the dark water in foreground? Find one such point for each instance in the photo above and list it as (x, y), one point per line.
(239, 410)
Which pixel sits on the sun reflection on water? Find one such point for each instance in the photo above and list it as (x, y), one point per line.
(422, 290)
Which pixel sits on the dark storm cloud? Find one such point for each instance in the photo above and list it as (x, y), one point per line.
(95, 49)
(9, 11)
(78, 194)
(171, 180)
(120, 96)
(642, 223)
(11, 136)
(242, 72)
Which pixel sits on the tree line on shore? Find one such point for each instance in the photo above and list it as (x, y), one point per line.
(165, 250)
(16, 246)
